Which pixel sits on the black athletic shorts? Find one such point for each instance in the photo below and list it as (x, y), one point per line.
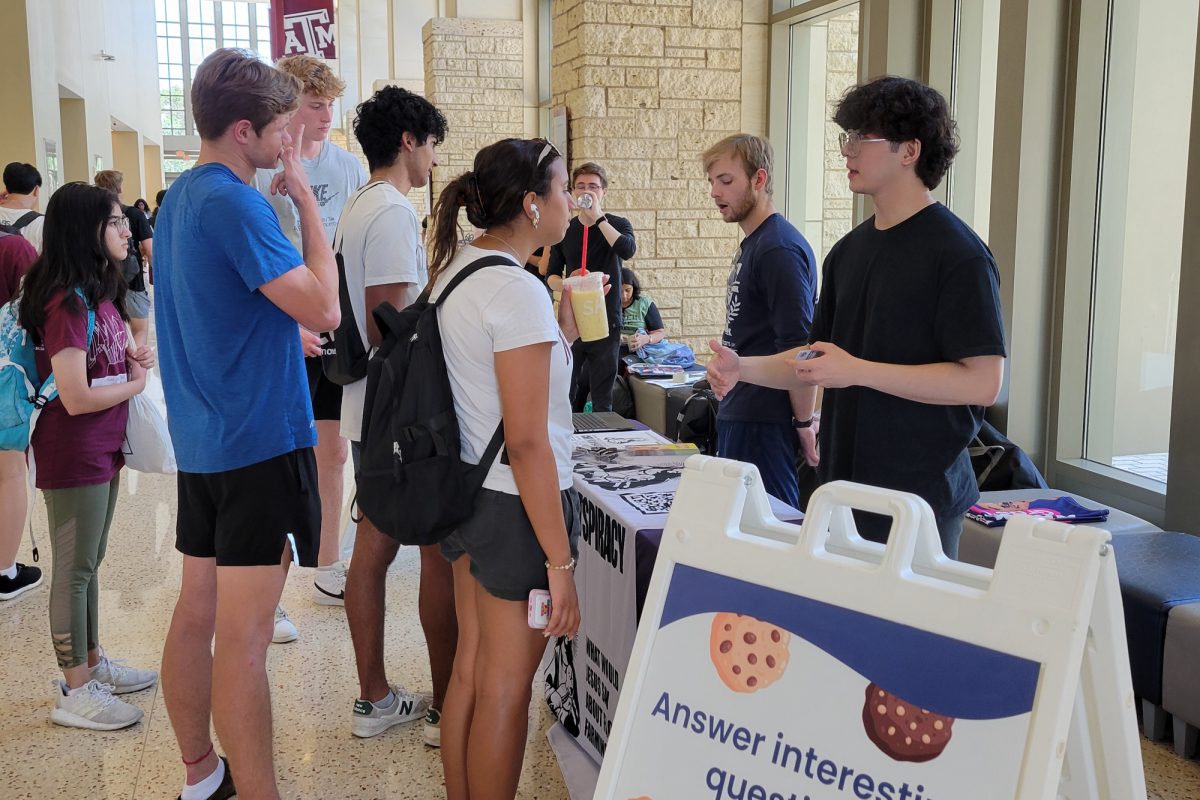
(326, 395)
(243, 517)
(506, 557)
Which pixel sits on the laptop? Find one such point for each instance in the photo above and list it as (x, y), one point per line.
(600, 422)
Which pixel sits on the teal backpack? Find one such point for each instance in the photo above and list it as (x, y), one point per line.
(22, 396)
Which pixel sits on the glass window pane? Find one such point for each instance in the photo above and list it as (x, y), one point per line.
(1138, 248)
(815, 62)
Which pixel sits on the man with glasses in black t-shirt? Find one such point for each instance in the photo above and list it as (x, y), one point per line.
(908, 334)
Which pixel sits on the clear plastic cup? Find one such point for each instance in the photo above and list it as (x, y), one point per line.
(587, 301)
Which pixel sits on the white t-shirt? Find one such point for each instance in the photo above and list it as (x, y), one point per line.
(32, 232)
(333, 175)
(380, 238)
(496, 309)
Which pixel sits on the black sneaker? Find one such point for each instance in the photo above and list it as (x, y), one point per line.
(26, 578)
(226, 790)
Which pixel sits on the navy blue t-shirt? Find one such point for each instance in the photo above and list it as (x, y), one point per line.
(925, 291)
(232, 367)
(769, 302)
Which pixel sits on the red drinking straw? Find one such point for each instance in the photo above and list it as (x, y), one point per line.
(583, 259)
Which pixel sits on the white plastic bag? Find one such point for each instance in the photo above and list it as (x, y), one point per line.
(148, 445)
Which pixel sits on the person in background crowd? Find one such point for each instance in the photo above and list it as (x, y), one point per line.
(610, 242)
(768, 309)
(16, 255)
(908, 332)
(385, 261)
(141, 248)
(18, 207)
(141, 205)
(508, 359)
(642, 323)
(78, 439)
(333, 176)
(230, 292)
(158, 198)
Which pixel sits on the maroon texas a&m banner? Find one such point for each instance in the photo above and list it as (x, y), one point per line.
(302, 27)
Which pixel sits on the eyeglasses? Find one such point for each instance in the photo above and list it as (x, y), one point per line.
(851, 142)
(120, 223)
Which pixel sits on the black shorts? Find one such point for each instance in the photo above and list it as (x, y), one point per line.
(326, 395)
(243, 517)
(506, 557)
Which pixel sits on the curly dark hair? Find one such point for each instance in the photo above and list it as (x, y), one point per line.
(900, 109)
(387, 115)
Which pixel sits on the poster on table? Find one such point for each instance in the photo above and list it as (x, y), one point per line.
(620, 496)
(752, 692)
(303, 27)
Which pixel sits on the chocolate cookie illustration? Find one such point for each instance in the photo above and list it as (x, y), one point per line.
(749, 654)
(904, 732)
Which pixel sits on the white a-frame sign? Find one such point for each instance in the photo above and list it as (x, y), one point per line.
(832, 668)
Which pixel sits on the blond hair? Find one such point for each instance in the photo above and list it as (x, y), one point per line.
(316, 76)
(110, 179)
(754, 152)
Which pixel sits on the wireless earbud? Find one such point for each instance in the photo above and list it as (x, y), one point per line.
(533, 207)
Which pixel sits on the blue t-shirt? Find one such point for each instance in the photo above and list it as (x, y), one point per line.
(769, 301)
(231, 362)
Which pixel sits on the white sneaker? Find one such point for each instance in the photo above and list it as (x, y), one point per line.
(122, 678)
(370, 720)
(329, 587)
(433, 728)
(285, 631)
(94, 708)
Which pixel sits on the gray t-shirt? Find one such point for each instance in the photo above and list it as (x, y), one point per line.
(334, 175)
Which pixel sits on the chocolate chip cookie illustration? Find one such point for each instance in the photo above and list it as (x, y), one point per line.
(904, 732)
(749, 654)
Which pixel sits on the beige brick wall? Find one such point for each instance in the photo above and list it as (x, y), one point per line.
(648, 87)
(841, 73)
(474, 72)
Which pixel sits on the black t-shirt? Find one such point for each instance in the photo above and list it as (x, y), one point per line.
(566, 256)
(769, 301)
(140, 231)
(922, 292)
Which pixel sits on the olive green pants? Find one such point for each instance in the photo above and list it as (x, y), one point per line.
(79, 522)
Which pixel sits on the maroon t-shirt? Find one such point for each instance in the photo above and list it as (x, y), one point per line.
(16, 255)
(83, 450)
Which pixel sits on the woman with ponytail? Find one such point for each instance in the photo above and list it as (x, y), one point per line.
(509, 359)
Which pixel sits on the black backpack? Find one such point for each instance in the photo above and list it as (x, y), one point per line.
(344, 355)
(12, 228)
(698, 419)
(412, 482)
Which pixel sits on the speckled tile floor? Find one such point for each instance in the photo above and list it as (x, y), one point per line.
(312, 682)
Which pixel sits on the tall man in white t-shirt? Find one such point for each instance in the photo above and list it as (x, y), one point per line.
(18, 207)
(334, 175)
(380, 239)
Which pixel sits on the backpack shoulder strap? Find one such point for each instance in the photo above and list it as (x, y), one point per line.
(338, 233)
(469, 270)
(49, 389)
(24, 220)
(387, 319)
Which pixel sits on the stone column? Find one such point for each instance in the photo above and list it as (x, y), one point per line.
(474, 72)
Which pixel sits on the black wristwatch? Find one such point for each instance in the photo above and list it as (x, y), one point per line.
(599, 219)
(801, 424)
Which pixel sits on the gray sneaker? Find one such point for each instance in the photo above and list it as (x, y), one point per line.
(95, 708)
(121, 677)
(433, 728)
(370, 720)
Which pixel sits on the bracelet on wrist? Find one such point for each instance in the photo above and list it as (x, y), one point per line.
(570, 565)
(800, 424)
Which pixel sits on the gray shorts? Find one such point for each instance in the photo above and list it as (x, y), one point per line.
(506, 558)
(137, 304)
